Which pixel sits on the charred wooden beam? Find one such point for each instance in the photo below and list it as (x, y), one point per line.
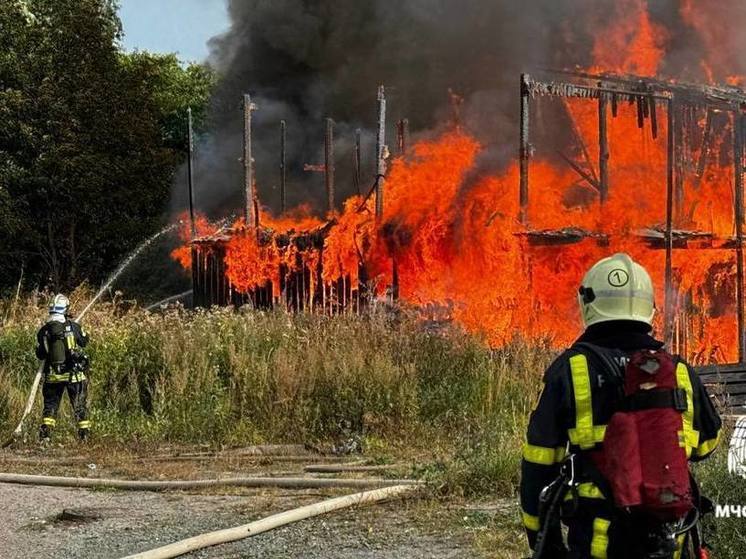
(565, 236)
(738, 130)
(190, 171)
(603, 149)
(248, 163)
(580, 171)
(380, 152)
(668, 289)
(525, 146)
(641, 111)
(681, 239)
(566, 89)
(723, 97)
(329, 163)
(653, 117)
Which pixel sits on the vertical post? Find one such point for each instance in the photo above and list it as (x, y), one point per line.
(283, 193)
(358, 161)
(248, 168)
(525, 148)
(402, 135)
(603, 149)
(190, 171)
(380, 152)
(739, 211)
(669, 295)
(329, 163)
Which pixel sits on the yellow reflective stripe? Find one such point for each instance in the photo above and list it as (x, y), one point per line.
(543, 455)
(587, 491)
(530, 522)
(600, 541)
(688, 437)
(584, 434)
(65, 377)
(581, 383)
(679, 546)
(84, 424)
(51, 421)
(708, 446)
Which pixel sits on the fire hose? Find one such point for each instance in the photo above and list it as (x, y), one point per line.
(271, 522)
(29, 406)
(161, 485)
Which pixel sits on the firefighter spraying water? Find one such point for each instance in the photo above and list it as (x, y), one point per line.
(80, 340)
(60, 344)
(617, 421)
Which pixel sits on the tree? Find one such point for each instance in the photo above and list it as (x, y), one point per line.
(89, 142)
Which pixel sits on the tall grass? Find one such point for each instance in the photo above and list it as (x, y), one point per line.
(227, 378)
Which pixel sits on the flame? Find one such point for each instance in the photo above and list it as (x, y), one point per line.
(452, 237)
(202, 227)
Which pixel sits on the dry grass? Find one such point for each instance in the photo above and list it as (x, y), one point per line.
(226, 378)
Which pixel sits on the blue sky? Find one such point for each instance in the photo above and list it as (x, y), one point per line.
(180, 26)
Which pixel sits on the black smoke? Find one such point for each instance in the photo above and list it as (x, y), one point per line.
(304, 60)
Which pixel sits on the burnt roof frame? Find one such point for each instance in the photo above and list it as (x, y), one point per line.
(650, 91)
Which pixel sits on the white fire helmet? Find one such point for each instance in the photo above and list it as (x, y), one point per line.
(59, 304)
(616, 288)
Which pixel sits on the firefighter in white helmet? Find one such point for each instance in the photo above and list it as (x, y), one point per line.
(59, 345)
(583, 389)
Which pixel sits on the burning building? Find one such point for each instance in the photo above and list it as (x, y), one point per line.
(607, 161)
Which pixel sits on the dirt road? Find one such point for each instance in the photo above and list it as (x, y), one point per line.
(56, 523)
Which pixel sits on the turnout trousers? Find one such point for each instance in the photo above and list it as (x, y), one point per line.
(53, 393)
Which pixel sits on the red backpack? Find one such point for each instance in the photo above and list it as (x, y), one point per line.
(643, 459)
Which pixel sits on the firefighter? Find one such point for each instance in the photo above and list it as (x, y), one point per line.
(59, 345)
(579, 397)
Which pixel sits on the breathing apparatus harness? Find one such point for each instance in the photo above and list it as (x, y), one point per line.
(663, 535)
(554, 505)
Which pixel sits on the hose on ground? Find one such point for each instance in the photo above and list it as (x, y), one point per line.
(271, 522)
(136, 485)
(351, 467)
(29, 405)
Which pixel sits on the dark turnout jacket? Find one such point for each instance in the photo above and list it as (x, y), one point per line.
(576, 396)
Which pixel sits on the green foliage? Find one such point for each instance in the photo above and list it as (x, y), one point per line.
(90, 139)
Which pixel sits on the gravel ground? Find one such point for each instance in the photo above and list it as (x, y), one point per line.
(113, 524)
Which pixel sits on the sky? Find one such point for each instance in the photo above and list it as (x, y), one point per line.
(180, 26)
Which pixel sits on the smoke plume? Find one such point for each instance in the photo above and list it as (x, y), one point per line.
(304, 60)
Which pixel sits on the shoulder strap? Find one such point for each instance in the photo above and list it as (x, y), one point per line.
(602, 355)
